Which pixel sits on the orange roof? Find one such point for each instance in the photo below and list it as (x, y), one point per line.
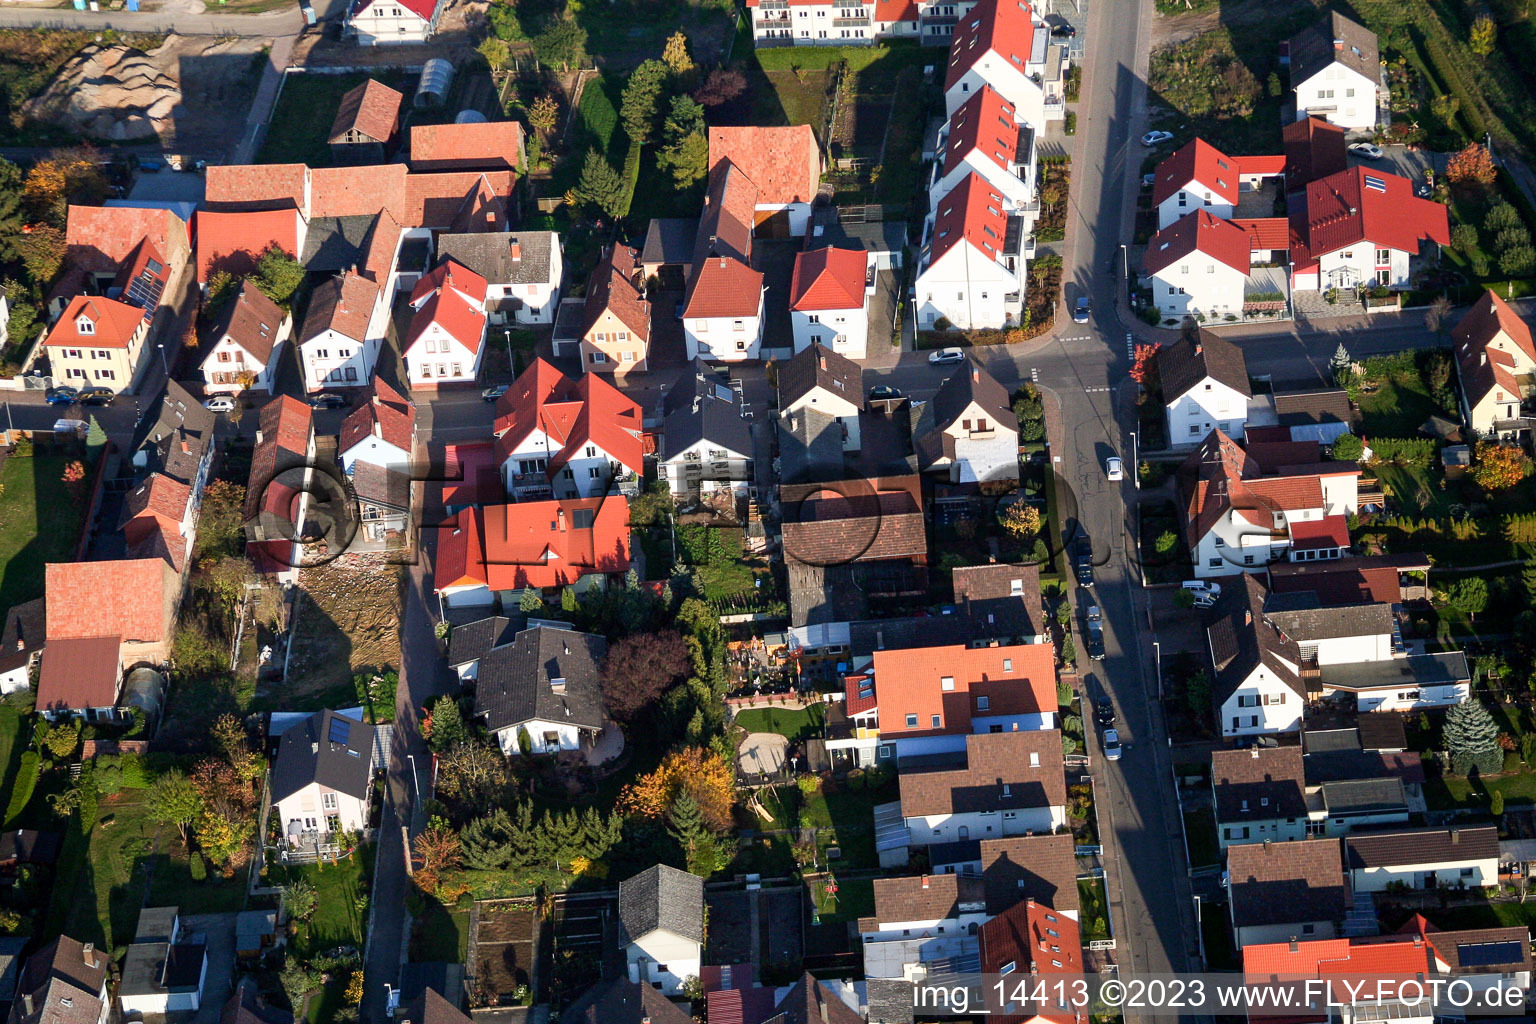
(1266, 232)
(454, 275)
(1004, 27)
(100, 238)
(449, 309)
(1403, 957)
(122, 598)
(985, 124)
(1199, 162)
(887, 11)
(233, 241)
(357, 191)
(247, 186)
(382, 243)
(458, 200)
(113, 323)
(533, 544)
(828, 279)
(1264, 166)
(972, 212)
(495, 145)
(723, 286)
(1018, 680)
(372, 108)
(1489, 317)
(1199, 231)
(158, 496)
(784, 162)
(570, 413)
(156, 538)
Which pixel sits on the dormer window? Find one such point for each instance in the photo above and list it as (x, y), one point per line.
(85, 326)
(947, 683)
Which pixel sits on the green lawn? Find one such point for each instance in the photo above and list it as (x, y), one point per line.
(855, 898)
(1455, 791)
(1093, 909)
(339, 919)
(440, 934)
(1397, 408)
(798, 725)
(11, 725)
(301, 124)
(40, 522)
(1204, 847)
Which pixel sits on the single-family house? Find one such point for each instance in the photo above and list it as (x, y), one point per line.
(1447, 858)
(1353, 785)
(1389, 579)
(541, 693)
(97, 342)
(622, 1001)
(383, 22)
(337, 344)
(1198, 176)
(164, 967)
(971, 268)
(1258, 688)
(1198, 266)
(921, 924)
(723, 300)
(64, 982)
(446, 340)
(829, 300)
(661, 926)
(1281, 891)
(1260, 795)
(706, 439)
(1494, 350)
(1360, 227)
(616, 318)
(1033, 949)
(985, 136)
(1314, 148)
(231, 241)
(375, 446)
(968, 432)
(1336, 73)
(468, 146)
(322, 777)
(784, 162)
(818, 379)
(1001, 602)
(1480, 957)
(1011, 784)
(522, 270)
(99, 240)
(1042, 868)
(567, 438)
(1002, 44)
(367, 121)
(1205, 386)
(248, 344)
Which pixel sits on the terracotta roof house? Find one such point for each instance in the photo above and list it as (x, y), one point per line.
(274, 503)
(968, 432)
(1467, 952)
(1388, 579)
(1361, 227)
(459, 201)
(1205, 386)
(1494, 350)
(569, 438)
(829, 300)
(232, 241)
(1343, 964)
(706, 441)
(970, 270)
(1002, 44)
(1042, 868)
(1031, 940)
(386, 22)
(1284, 890)
(1314, 149)
(248, 343)
(621, 1001)
(616, 318)
(234, 187)
(1260, 795)
(1011, 783)
(539, 544)
(1336, 72)
(445, 343)
(100, 239)
(1198, 266)
(64, 982)
(661, 926)
(986, 136)
(1002, 601)
(541, 692)
(97, 342)
(522, 270)
(367, 121)
(723, 301)
(785, 163)
(486, 146)
(1198, 176)
(342, 332)
(91, 641)
(856, 520)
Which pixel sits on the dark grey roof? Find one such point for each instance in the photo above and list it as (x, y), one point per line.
(1334, 38)
(810, 447)
(174, 441)
(1307, 624)
(1191, 359)
(10, 965)
(245, 1006)
(489, 254)
(1413, 670)
(1241, 640)
(809, 1002)
(515, 680)
(377, 485)
(1353, 765)
(702, 406)
(156, 924)
(669, 240)
(622, 1001)
(1420, 846)
(29, 847)
(890, 1000)
(1329, 741)
(662, 897)
(1364, 796)
(151, 967)
(829, 228)
(959, 852)
(1382, 730)
(817, 366)
(328, 748)
(431, 1007)
(1321, 405)
(473, 640)
(866, 637)
(24, 633)
(337, 243)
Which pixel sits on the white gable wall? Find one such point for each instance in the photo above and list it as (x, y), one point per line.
(1208, 405)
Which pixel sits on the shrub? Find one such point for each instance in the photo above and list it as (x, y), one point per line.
(26, 782)
(1464, 238)
(198, 867)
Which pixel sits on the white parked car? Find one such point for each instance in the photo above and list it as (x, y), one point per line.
(1112, 749)
(220, 403)
(947, 355)
(1114, 469)
(1366, 150)
(1153, 138)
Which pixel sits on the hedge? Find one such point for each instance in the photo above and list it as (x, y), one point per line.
(1412, 452)
(631, 175)
(26, 782)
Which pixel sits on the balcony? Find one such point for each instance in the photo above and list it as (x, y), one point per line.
(772, 19)
(773, 5)
(850, 23)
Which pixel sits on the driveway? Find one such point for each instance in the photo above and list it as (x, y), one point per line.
(218, 931)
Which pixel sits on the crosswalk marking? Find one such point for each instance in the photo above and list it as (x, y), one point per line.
(1095, 390)
(1034, 374)
(1130, 346)
(1080, 337)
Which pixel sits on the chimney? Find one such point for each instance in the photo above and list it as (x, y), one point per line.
(1455, 836)
(722, 262)
(1294, 946)
(1199, 348)
(378, 429)
(1254, 753)
(823, 361)
(822, 1002)
(560, 519)
(976, 373)
(376, 399)
(26, 1002)
(1248, 621)
(88, 953)
(517, 251)
(925, 881)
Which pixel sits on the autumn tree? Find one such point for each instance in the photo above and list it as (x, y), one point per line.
(543, 114)
(62, 177)
(640, 668)
(1499, 466)
(174, 800)
(1020, 520)
(40, 247)
(278, 275)
(473, 776)
(698, 771)
(495, 51)
(221, 523)
(720, 87)
(1473, 164)
(229, 738)
(676, 53)
(1438, 315)
(1484, 35)
(437, 850)
(1144, 363)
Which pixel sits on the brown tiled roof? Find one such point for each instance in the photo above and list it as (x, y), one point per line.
(1286, 883)
(1313, 149)
(1417, 846)
(344, 304)
(156, 538)
(372, 108)
(808, 1002)
(998, 776)
(1040, 868)
(1258, 784)
(92, 599)
(854, 521)
(1346, 580)
(1475, 944)
(489, 145)
(358, 191)
(285, 426)
(458, 200)
(985, 593)
(62, 970)
(26, 626)
(257, 187)
(379, 254)
(783, 161)
(79, 672)
(383, 410)
(1241, 639)
(252, 321)
(158, 495)
(1315, 405)
(613, 287)
(1185, 363)
(1334, 39)
(817, 366)
(924, 897)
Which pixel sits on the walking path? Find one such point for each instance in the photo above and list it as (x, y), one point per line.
(287, 21)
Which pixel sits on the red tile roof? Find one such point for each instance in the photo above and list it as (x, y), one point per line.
(1005, 27)
(358, 191)
(1199, 231)
(423, 9)
(614, 288)
(571, 413)
(373, 109)
(1197, 161)
(1264, 166)
(285, 426)
(859, 694)
(114, 323)
(1385, 957)
(458, 200)
(159, 496)
(1033, 942)
(888, 11)
(1266, 232)
(343, 303)
(233, 241)
(784, 162)
(245, 186)
(463, 321)
(533, 544)
(78, 673)
(1016, 680)
(1220, 476)
(1365, 205)
(985, 123)
(453, 274)
(100, 238)
(120, 597)
(381, 411)
(471, 475)
(156, 538)
(971, 212)
(828, 278)
(723, 286)
(1327, 532)
(490, 145)
(1313, 149)
(383, 241)
(1486, 319)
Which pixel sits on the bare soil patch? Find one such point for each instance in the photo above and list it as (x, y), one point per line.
(349, 621)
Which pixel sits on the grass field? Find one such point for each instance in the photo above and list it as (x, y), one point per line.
(1397, 408)
(798, 725)
(39, 523)
(440, 933)
(301, 124)
(855, 898)
(1093, 909)
(1456, 791)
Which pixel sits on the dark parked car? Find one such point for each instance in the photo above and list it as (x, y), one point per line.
(1104, 712)
(63, 395)
(493, 392)
(1095, 633)
(1084, 564)
(884, 391)
(328, 400)
(97, 396)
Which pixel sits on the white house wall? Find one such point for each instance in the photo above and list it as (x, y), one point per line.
(927, 830)
(1340, 94)
(1208, 406)
(1193, 196)
(1449, 874)
(325, 365)
(844, 331)
(1264, 718)
(568, 737)
(969, 290)
(1411, 698)
(1199, 284)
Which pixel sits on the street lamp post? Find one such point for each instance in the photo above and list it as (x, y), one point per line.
(163, 364)
(507, 333)
(415, 779)
(1135, 462)
(1157, 654)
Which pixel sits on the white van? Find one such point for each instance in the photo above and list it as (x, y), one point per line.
(1205, 593)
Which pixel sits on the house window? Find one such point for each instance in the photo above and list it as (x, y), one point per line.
(593, 473)
(983, 703)
(569, 474)
(1007, 664)
(947, 683)
(591, 451)
(1215, 563)
(598, 357)
(814, 318)
(1383, 257)
(912, 721)
(328, 801)
(938, 721)
(84, 326)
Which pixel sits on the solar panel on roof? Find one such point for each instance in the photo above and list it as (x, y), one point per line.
(155, 267)
(724, 393)
(1486, 954)
(341, 730)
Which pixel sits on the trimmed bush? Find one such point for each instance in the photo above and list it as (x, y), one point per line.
(198, 867)
(26, 782)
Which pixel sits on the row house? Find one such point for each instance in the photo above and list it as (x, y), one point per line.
(559, 437)
(1494, 350)
(342, 333)
(723, 301)
(831, 23)
(986, 136)
(1034, 950)
(1285, 892)
(1002, 44)
(616, 317)
(445, 343)
(922, 926)
(277, 494)
(971, 269)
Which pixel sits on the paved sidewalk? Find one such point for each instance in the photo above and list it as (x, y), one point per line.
(287, 21)
(265, 102)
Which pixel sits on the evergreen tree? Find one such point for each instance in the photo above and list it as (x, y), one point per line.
(448, 729)
(568, 601)
(562, 837)
(602, 187)
(95, 437)
(525, 839)
(1472, 738)
(530, 601)
(485, 845)
(599, 834)
(641, 100)
(686, 824)
(1341, 358)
